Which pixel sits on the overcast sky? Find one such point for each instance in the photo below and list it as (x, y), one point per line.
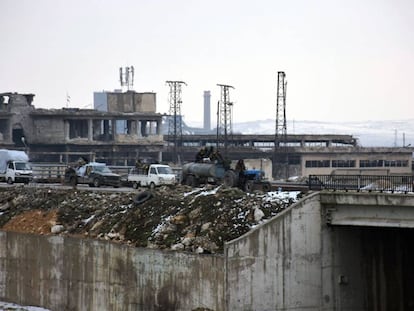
(345, 60)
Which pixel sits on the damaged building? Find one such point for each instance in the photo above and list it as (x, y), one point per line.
(128, 127)
(124, 126)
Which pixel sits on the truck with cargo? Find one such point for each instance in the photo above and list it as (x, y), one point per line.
(15, 167)
(196, 173)
(152, 176)
(94, 174)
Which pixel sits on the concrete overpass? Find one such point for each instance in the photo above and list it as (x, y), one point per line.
(330, 251)
(267, 141)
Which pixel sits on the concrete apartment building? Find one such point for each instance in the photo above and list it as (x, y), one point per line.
(62, 135)
(356, 160)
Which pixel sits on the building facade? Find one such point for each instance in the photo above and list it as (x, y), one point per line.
(125, 126)
(356, 160)
(129, 127)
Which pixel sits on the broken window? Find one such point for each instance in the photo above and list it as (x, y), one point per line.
(4, 129)
(4, 101)
(102, 130)
(78, 129)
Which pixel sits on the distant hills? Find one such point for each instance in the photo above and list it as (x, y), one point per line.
(369, 133)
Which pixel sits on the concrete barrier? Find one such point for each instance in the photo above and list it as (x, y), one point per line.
(319, 254)
(62, 273)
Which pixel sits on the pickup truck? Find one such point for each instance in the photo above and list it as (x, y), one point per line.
(94, 174)
(14, 166)
(154, 175)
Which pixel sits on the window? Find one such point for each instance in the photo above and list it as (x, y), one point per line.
(343, 163)
(317, 163)
(371, 163)
(396, 163)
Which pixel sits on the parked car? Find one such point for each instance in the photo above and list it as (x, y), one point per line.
(152, 176)
(94, 174)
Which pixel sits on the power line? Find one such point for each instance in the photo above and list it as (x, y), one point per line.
(224, 117)
(175, 127)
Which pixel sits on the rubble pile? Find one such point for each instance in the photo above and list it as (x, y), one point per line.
(180, 218)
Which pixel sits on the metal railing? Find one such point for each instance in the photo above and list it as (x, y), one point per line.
(48, 172)
(55, 172)
(361, 183)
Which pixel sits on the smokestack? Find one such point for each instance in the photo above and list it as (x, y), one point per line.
(207, 110)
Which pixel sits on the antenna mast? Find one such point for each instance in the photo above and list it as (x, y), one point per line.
(224, 116)
(175, 130)
(126, 77)
(280, 152)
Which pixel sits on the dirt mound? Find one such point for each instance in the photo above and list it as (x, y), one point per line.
(180, 218)
(34, 221)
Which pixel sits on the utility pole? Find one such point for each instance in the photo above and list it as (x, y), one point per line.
(280, 152)
(175, 130)
(224, 117)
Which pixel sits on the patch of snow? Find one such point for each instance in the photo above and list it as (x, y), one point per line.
(7, 306)
(293, 178)
(273, 196)
(210, 192)
(202, 191)
(161, 225)
(195, 190)
(85, 221)
(258, 214)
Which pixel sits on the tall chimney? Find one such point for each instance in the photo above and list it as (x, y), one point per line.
(207, 111)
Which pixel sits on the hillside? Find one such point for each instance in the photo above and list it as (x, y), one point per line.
(179, 218)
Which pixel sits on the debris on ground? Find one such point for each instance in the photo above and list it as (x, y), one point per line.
(181, 218)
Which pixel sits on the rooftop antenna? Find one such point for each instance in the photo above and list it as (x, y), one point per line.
(67, 100)
(126, 77)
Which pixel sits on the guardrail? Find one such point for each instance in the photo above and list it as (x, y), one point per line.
(48, 172)
(55, 172)
(361, 183)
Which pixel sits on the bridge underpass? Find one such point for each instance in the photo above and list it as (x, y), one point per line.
(373, 267)
(372, 253)
(330, 251)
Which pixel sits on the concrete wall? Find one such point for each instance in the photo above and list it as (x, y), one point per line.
(48, 129)
(77, 274)
(20, 108)
(301, 259)
(132, 102)
(278, 265)
(296, 261)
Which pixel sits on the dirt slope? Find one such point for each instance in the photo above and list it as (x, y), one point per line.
(180, 218)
